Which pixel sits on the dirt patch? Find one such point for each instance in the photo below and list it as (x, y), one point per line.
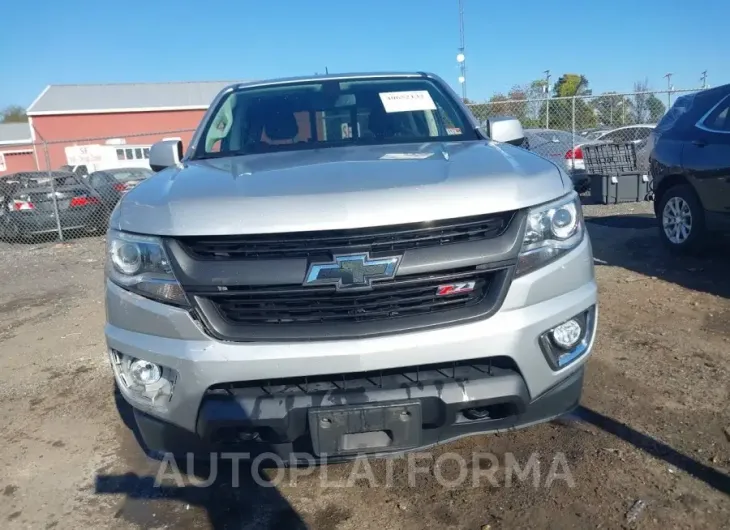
(9, 490)
(330, 517)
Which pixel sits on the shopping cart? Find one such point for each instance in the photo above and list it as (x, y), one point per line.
(615, 174)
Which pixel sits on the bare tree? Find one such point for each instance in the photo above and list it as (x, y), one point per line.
(641, 107)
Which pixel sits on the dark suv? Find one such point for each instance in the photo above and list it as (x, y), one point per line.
(690, 166)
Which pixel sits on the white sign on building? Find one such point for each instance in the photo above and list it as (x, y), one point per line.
(79, 155)
(3, 167)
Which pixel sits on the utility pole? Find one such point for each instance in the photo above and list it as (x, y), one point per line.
(461, 58)
(547, 99)
(704, 79)
(669, 90)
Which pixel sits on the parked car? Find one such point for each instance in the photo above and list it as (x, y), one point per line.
(556, 145)
(564, 145)
(111, 184)
(592, 134)
(394, 280)
(690, 167)
(27, 204)
(80, 170)
(637, 134)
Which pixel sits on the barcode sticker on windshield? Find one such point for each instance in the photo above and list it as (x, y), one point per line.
(407, 101)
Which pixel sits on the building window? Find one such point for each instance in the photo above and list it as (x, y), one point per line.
(120, 154)
(138, 154)
(129, 153)
(146, 152)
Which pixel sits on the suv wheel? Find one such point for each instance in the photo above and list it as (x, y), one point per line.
(681, 220)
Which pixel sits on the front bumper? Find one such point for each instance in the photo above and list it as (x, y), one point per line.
(229, 414)
(535, 303)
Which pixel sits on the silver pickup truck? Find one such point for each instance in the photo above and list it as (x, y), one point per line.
(344, 265)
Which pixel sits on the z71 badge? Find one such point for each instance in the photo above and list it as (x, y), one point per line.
(455, 288)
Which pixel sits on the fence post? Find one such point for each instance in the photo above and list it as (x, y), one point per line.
(53, 191)
(573, 135)
(573, 117)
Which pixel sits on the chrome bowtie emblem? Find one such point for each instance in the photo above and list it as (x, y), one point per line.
(350, 271)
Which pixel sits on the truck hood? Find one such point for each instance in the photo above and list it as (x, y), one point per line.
(335, 188)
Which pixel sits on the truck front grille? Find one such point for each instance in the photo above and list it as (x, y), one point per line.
(402, 297)
(377, 239)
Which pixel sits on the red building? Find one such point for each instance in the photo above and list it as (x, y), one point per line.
(16, 148)
(130, 114)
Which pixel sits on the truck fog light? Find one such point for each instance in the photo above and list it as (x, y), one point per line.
(144, 373)
(567, 334)
(569, 341)
(143, 381)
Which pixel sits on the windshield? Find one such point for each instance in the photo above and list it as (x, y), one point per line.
(40, 179)
(560, 136)
(132, 174)
(314, 115)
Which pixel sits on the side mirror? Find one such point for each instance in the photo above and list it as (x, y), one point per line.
(166, 153)
(505, 130)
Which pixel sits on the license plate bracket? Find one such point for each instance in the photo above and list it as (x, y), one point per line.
(366, 428)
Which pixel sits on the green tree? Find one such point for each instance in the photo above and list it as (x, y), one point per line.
(561, 114)
(656, 108)
(13, 114)
(569, 85)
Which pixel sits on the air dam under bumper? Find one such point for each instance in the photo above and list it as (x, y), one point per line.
(293, 419)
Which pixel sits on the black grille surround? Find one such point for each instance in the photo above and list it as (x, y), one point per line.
(396, 238)
(263, 299)
(293, 312)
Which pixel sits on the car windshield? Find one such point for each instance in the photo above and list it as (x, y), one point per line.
(560, 136)
(131, 174)
(30, 180)
(540, 137)
(332, 113)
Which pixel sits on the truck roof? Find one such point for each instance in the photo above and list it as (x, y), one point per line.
(328, 77)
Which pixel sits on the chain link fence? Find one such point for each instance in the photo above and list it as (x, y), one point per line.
(588, 116)
(75, 186)
(558, 127)
(77, 182)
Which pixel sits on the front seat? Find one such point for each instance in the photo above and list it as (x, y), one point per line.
(280, 125)
(380, 123)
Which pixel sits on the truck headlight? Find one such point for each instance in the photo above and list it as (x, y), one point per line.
(139, 264)
(552, 230)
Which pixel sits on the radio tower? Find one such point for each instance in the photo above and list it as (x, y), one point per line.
(461, 58)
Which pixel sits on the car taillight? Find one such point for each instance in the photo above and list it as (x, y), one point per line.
(120, 187)
(83, 201)
(574, 154)
(22, 205)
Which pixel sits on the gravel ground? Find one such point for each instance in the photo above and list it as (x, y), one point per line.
(648, 448)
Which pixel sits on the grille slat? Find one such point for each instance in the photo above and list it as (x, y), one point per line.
(334, 305)
(378, 239)
(409, 296)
